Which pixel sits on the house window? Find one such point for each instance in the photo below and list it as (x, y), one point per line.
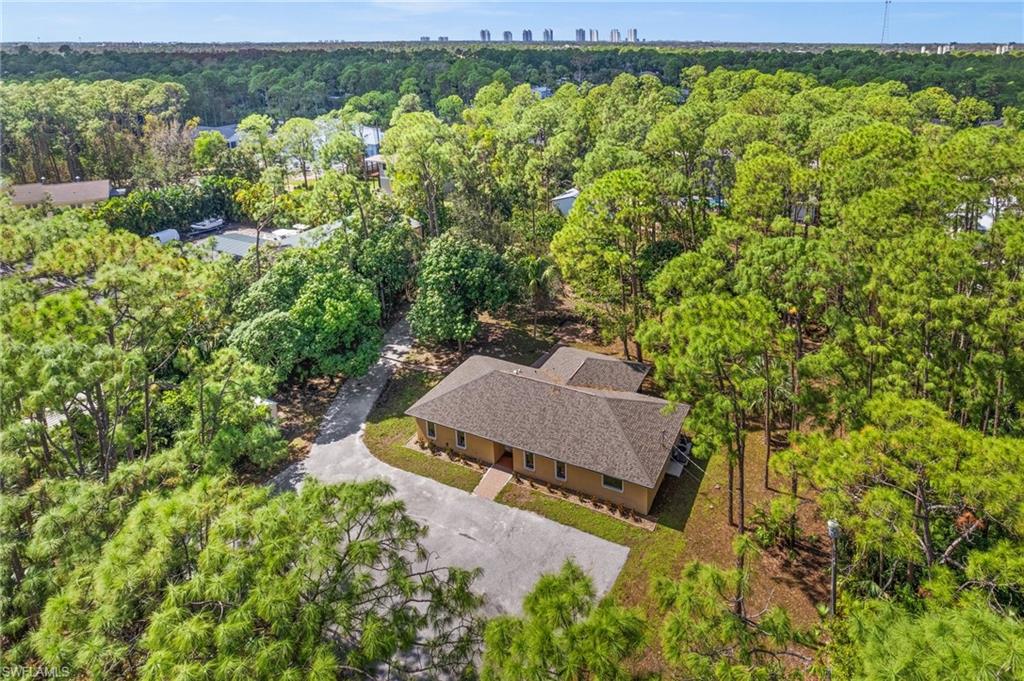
(431, 430)
(460, 439)
(560, 470)
(608, 482)
(528, 460)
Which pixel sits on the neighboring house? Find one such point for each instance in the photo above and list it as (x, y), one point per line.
(229, 132)
(233, 244)
(72, 194)
(238, 244)
(542, 91)
(576, 421)
(372, 138)
(563, 202)
(376, 167)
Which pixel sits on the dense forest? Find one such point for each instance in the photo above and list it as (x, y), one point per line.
(225, 86)
(840, 266)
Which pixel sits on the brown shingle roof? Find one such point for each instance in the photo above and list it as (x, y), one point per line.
(591, 370)
(60, 194)
(619, 433)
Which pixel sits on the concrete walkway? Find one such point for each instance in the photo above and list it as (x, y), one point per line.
(513, 547)
(492, 483)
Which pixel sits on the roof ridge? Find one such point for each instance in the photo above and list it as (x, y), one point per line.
(632, 449)
(420, 402)
(586, 390)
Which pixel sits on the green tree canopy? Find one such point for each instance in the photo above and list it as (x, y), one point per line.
(458, 279)
(564, 634)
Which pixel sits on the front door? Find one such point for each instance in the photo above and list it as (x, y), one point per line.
(505, 461)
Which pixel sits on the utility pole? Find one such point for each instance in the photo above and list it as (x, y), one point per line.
(885, 21)
(833, 535)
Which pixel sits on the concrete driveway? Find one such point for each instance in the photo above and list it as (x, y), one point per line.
(513, 547)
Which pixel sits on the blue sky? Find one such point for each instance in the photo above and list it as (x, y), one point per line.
(818, 21)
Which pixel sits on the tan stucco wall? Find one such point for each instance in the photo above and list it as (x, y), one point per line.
(632, 496)
(476, 447)
(583, 480)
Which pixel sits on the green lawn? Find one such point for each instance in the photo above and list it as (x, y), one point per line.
(388, 430)
(691, 510)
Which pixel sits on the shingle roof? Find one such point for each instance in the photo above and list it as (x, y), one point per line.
(228, 132)
(619, 433)
(591, 370)
(61, 193)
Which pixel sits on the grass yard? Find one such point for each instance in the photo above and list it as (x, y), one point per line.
(388, 430)
(693, 525)
(692, 510)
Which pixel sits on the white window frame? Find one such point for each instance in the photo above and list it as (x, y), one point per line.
(529, 460)
(465, 439)
(604, 483)
(431, 430)
(565, 471)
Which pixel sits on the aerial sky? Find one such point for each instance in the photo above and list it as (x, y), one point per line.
(709, 20)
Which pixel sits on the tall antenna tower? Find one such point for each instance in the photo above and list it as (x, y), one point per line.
(885, 22)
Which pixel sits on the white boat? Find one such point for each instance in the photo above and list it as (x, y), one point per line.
(282, 234)
(207, 225)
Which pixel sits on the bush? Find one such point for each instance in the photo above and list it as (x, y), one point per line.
(771, 522)
(145, 211)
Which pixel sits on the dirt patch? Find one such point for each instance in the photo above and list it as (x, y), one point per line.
(795, 579)
(511, 338)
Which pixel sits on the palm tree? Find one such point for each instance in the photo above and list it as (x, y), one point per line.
(541, 275)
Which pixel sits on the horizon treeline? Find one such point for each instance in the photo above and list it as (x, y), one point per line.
(224, 86)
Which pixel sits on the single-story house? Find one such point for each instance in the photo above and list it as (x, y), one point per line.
(229, 132)
(577, 421)
(73, 194)
(563, 202)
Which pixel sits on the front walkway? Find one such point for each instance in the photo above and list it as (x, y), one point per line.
(513, 547)
(492, 483)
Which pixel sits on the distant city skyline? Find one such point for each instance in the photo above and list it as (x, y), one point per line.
(373, 20)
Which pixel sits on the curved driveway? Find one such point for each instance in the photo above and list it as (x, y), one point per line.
(513, 547)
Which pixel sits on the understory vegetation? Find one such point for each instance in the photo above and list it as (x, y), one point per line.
(834, 266)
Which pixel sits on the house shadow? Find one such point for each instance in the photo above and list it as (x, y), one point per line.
(675, 500)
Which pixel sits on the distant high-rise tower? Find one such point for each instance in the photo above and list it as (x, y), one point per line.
(442, 38)
(485, 35)
(614, 36)
(507, 36)
(595, 35)
(631, 35)
(527, 35)
(424, 38)
(549, 35)
(581, 35)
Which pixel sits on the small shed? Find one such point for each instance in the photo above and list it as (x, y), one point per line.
(166, 236)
